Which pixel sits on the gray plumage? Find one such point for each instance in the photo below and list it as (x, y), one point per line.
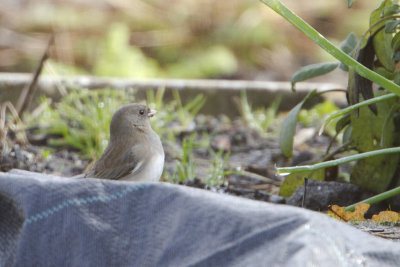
(135, 151)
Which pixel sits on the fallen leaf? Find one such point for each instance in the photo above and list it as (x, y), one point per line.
(386, 216)
(357, 215)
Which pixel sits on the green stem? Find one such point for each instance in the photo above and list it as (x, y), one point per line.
(377, 198)
(354, 107)
(336, 162)
(314, 35)
(361, 104)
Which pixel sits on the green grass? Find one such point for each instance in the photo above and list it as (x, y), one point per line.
(186, 166)
(81, 119)
(260, 119)
(218, 169)
(173, 111)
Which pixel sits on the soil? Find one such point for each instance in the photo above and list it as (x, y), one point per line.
(254, 154)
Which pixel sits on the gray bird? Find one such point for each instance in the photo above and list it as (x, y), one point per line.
(135, 152)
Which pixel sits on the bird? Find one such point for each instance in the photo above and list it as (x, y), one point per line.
(134, 152)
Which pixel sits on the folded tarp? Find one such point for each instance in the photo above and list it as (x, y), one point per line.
(54, 221)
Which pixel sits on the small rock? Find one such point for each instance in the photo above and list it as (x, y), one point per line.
(321, 194)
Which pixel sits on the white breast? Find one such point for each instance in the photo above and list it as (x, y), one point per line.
(151, 171)
(155, 169)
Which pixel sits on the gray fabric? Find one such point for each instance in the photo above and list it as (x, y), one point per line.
(54, 221)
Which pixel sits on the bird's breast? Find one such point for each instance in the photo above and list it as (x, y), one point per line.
(156, 167)
(149, 171)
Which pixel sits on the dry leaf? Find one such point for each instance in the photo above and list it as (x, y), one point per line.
(386, 216)
(357, 215)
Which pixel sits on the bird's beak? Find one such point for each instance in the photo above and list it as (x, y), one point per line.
(151, 112)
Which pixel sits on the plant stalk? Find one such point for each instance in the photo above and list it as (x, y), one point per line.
(377, 198)
(314, 35)
(336, 162)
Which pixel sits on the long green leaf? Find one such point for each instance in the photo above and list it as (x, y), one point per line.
(289, 126)
(349, 44)
(314, 35)
(337, 162)
(312, 71)
(382, 40)
(343, 111)
(378, 198)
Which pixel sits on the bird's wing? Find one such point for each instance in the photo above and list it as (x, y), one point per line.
(113, 165)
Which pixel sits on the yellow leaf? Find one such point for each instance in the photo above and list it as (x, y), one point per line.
(386, 216)
(357, 215)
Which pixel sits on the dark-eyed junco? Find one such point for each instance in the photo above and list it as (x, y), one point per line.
(135, 152)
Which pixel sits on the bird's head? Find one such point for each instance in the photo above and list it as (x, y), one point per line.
(131, 118)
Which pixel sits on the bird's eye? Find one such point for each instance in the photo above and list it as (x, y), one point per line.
(141, 112)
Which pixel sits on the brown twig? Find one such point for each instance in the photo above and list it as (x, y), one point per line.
(26, 95)
(336, 214)
(303, 202)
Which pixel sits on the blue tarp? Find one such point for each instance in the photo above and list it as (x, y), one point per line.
(55, 221)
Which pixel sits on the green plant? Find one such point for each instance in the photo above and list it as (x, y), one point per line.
(370, 127)
(173, 111)
(211, 62)
(343, 57)
(119, 59)
(186, 113)
(316, 115)
(260, 119)
(186, 166)
(218, 169)
(45, 153)
(81, 119)
(165, 112)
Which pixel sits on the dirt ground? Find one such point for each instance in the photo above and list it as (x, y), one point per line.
(252, 157)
